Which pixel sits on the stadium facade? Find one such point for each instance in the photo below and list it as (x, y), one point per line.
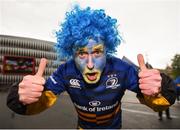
(27, 48)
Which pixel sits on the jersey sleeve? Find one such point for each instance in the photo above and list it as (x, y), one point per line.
(13, 100)
(166, 97)
(132, 80)
(160, 102)
(53, 86)
(56, 82)
(46, 100)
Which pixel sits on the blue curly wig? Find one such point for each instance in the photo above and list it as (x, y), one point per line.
(82, 24)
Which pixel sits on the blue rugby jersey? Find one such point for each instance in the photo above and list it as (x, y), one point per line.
(97, 105)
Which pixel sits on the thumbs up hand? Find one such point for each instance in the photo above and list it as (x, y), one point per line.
(31, 87)
(149, 79)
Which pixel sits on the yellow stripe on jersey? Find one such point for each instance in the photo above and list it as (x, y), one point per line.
(98, 119)
(46, 100)
(158, 103)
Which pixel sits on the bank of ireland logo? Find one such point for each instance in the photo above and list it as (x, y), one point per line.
(112, 83)
(94, 103)
(74, 83)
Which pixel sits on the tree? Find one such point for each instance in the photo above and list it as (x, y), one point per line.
(167, 71)
(176, 66)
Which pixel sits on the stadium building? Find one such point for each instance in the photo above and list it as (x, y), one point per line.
(20, 56)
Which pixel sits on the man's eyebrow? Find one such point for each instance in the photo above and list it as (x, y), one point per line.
(82, 49)
(99, 47)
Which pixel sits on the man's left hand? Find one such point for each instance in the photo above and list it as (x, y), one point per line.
(149, 79)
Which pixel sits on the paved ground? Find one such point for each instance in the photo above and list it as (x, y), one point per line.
(63, 115)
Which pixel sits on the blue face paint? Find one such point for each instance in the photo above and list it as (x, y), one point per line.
(91, 60)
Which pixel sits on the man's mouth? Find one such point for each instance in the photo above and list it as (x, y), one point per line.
(92, 76)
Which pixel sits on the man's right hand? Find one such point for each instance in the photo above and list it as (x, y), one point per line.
(31, 87)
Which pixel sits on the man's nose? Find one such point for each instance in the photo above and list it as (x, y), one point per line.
(90, 64)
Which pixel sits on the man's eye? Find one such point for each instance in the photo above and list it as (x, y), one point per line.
(97, 53)
(82, 54)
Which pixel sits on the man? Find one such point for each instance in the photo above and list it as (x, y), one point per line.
(167, 111)
(94, 79)
(177, 83)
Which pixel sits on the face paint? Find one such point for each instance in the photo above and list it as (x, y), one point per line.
(91, 60)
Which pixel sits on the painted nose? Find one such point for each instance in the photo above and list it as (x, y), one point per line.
(90, 64)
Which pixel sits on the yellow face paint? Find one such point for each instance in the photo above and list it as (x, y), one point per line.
(91, 77)
(91, 60)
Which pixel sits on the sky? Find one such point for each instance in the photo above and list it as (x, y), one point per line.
(149, 27)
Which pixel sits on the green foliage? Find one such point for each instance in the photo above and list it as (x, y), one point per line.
(176, 66)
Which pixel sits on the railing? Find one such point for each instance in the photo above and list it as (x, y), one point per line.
(27, 52)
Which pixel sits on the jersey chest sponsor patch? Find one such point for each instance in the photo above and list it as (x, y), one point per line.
(96, 106)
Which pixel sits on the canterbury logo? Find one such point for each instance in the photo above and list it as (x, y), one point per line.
(74, 83)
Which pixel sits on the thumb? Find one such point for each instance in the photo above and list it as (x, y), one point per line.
(141, 62)
(42, 67)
